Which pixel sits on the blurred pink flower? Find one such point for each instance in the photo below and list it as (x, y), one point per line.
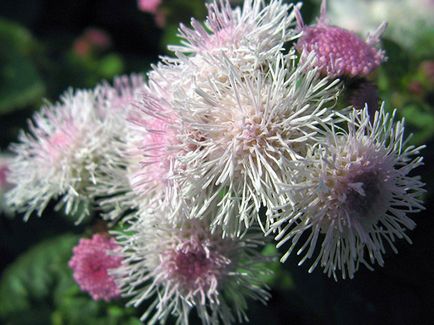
(91, 39)
(91, 261)
(150, 6)
(428, 70)
(160, 18)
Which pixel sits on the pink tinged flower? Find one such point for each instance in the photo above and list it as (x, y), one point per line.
(154, 127)
(353, 196)
(91, 263)
(114, 101)
(55, 145)
(252, 29)
(255, 125)
(186, 267)
(150, 6)
(195, 267)
(56, 158)
(340, 52)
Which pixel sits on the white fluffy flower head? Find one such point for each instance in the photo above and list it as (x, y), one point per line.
(186, 267)
(257, 28)
(58, 156)
(354, 196)
(250, 128)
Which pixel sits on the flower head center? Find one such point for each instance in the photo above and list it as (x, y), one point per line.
(366, 196)
(192, 264)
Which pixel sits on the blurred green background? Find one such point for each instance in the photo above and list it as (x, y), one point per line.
(47, 46)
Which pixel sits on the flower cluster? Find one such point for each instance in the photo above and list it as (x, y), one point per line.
(91, 261)
(242, 134)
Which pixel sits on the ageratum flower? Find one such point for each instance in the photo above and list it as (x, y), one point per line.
(353, 196)
(185, 267)
(58, 156)
(340, 52)
(249, 37)
(255, 28)
(153, 142)
(115, 103)
(248, 130)
(91, 263)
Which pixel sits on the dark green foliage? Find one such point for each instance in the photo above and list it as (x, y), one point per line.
(20, 81)
(39, 286)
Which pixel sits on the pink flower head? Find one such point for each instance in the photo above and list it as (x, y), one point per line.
(56, 144)
(177, 268)
(150, 6)
(253, 28)
(117, 99)
(340, 52)
(91, 261)
(224, 30)
(155, 126)
(197, 263)
(91, 39)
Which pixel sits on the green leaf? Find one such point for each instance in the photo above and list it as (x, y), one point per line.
(279, 278)
(110, 65)
(38, 288)
(16, 37)
(33, 278)
(420, 122)
(170, 37)
(20, 83)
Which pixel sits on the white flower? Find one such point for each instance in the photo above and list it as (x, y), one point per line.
(255, 29)
(185, 267)
(353, 196)
(153, 142)
(113, 190)
(249, 37)
(246, 131)
(58, 158)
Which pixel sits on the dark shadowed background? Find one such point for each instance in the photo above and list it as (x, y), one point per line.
(47, 46)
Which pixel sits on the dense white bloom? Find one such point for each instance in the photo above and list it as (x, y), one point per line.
(113, 189)
(68, 147)
(159, 135)
(153, 129)
(255, 29)
(246, 131)
(185, 267)
(114, 101)
(353, 195)
(58, 156)
(249, 37)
